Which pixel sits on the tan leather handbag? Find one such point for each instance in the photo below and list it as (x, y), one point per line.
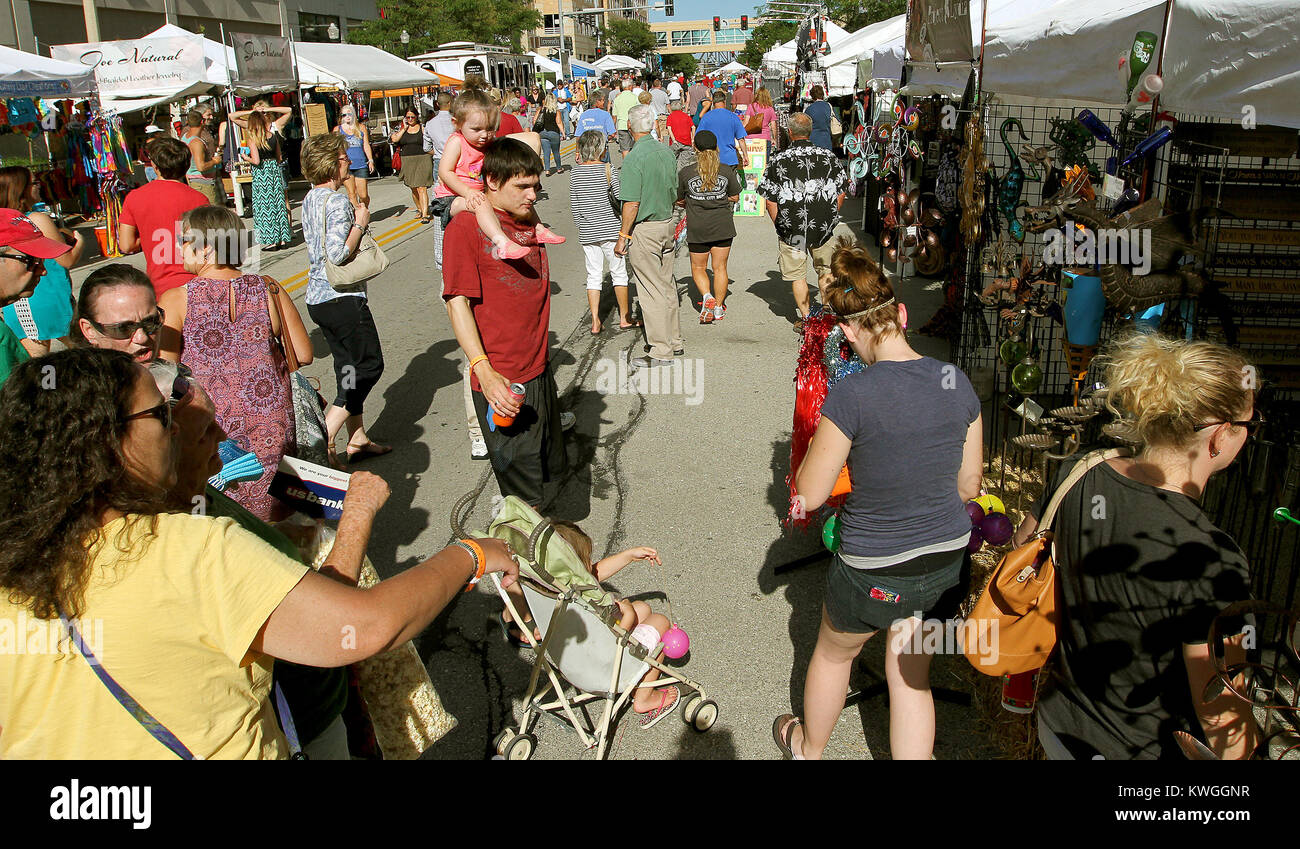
(1012, 627)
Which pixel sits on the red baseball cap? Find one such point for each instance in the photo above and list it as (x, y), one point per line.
(19, 233)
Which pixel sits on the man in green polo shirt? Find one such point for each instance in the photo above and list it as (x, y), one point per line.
(648, 190)
(623, 104)
(23, 251)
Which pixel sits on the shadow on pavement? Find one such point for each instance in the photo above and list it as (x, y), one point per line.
(407, 402)
(775, 292)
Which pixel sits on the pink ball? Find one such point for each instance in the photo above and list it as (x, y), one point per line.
(976, 513)
(676, 643)
(997, 529)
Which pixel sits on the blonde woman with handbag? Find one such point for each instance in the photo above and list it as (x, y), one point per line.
(1142, 572)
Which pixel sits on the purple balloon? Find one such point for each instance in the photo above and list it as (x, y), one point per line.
(975, 512)
(976, 541)
(997, 529)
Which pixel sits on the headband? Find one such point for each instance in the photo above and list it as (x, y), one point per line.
(867, 311)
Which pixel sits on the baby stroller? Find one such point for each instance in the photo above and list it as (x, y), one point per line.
(582, 645)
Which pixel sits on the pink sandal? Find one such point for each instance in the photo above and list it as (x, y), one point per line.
(649, 718)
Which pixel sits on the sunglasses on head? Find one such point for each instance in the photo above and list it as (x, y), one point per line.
(1251, 425)
(33, 263)
(162, 412)
(122, 330)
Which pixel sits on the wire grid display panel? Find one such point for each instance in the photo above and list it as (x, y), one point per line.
(980, 322)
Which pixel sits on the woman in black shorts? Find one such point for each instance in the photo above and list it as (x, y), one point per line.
(708, 189)
(909, 428)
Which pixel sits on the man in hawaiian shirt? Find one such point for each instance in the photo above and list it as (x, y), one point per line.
(804, 187)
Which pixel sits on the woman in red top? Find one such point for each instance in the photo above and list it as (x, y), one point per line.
(681, 134)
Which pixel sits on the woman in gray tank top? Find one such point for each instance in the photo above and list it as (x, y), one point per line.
(909, 429)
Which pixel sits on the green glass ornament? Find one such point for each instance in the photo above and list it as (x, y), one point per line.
(1012, 351)
(831, 533)
(1027, 376)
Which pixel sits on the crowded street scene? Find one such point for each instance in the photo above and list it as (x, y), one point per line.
(570, 381)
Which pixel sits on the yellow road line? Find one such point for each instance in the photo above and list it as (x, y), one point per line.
(299, 280)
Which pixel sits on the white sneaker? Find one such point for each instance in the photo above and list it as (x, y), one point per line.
(478, 449)
(567, 421)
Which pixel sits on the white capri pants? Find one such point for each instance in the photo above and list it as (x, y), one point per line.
(597, 256)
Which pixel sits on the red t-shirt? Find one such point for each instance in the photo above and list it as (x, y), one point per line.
(155, 210)
(509, 124)
(511, 300)
(680, 124)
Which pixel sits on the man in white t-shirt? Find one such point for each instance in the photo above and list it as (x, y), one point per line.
(674, 90)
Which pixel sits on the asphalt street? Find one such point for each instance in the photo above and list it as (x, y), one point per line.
(695, 470)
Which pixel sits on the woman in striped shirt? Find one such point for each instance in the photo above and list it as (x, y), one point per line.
(593, 185)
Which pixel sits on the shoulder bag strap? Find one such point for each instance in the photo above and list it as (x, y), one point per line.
(290, 356)
(155, 728)
(1080, 469)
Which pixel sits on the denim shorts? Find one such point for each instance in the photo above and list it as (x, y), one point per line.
(362, 172)
(860, 601)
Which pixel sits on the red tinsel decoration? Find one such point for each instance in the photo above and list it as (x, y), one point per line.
(810, 386)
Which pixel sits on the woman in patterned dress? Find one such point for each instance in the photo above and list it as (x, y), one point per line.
(270, 214)
(226, 325)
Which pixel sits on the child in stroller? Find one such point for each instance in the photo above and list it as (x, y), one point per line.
(644, 626)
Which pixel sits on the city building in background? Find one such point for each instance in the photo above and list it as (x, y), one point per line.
(33, 25)
(674, 36)
(581, 38)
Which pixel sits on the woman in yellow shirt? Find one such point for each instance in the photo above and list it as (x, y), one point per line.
(183, 611)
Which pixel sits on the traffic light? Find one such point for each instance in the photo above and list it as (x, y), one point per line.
(717, 22)
(744, 21)
(668, 8)
(600, 51)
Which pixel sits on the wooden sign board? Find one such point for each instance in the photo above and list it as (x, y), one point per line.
(1265, 360)
(1185, 175)
(1252, 236)
(1273, 310)
(1263, 140)
(1268, 262)
(317, 124)
(1261, 285)
(1263, 335)
(1271, 203)
(1283, 378)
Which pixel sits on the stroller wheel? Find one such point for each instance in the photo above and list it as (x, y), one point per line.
(521, 747)
(499, 742)
(700, 713)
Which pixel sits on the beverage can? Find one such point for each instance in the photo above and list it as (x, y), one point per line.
(500, 420)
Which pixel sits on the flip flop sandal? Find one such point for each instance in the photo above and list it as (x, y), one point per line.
(649, 718)
(520, 642)
(789, 722)
(367, 451)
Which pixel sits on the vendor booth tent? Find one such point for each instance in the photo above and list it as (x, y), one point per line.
(1070, 50)
(925, 79)
(356, 67)
(734, 68)
(784, 54)
(848, 54)
(618, 62)
(29, 75)
(1225, 56)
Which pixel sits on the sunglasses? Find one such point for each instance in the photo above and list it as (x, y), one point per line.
(33, 263)
(1251, 425)
(122, 330)
(162, 412)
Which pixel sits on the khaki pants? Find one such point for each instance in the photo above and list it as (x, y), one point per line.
(212, 190)
(656, 286)
(794, 262)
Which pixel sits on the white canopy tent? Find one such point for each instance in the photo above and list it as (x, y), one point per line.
(849, 54)
(1070, 50)
(544, 64)
(1225, 56)
(357, 67)
(784, 54)
(30, 75)
(925, 79)
(618, 62)
(734, 67)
